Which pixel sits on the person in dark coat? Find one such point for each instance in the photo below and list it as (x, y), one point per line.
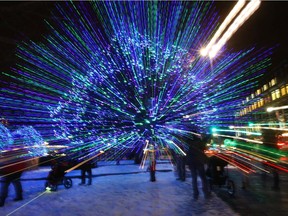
(86, 168)
(181, 165)
(152, 162)
(11, 172)
(196, 160)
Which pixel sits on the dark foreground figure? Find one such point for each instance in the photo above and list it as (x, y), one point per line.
(196, 160)
(11, 171)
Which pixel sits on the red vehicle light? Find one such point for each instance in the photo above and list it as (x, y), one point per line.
(280, 144)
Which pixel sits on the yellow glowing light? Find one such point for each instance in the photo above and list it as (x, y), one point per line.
(213, 47)
(223, 26)
(239, 20)
(270, 109)
(83, 162)
(48, 189)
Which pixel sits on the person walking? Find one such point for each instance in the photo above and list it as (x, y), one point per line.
(11, 173)
(196, 160)
(151, 154)
(181, 165)
(86, 168)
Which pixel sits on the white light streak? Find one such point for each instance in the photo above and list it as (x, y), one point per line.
(213, 48)
(270, 109)
(240, 138)
(223, 26)
(240, 19)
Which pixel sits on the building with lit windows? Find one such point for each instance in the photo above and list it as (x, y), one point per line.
(266, 109)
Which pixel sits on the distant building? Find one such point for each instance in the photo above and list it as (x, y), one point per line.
(272, 92)
(266, 109)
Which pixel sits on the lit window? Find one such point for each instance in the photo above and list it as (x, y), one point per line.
(273, 82)
(258, 92)
(265, 87)
(261, 102)
(252, 95)
(245, 111)
(283, 90)
(273, 95)
(277, 92)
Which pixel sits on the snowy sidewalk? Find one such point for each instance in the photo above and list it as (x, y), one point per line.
(113, 195)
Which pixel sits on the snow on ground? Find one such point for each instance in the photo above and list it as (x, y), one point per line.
(117, 190)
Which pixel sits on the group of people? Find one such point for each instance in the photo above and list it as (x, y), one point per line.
(195, 158)
(12, 166)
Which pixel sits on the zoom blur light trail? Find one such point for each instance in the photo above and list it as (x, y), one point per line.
(248, 159)
(113, 72)
(214, 46)
(223, 26)
(270, 109)
(234, 163)
(238, 138)
(236, 131)
(251, 7)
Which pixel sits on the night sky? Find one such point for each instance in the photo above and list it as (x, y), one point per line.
(25, 20)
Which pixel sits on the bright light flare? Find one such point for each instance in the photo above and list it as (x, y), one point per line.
(240, 19)
(213, 47)
(270, 109)
(223, 26)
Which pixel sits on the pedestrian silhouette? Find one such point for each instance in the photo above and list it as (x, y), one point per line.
(181, 164)
(12, 166)
(196, 160)
(86, 168)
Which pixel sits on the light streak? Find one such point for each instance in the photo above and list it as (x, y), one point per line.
(106, 81)
(241, 167)
(273, 128)
(270, 109)
(252, 6)
(248, 157)
(19, 162)
(199, 113)
(142, 164)
(237, 131)
(41, 194)
(239, 138)
(223, 26)
(83, 162)
(178, 148)
(277, 166)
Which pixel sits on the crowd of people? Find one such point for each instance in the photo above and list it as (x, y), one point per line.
(193, 156)
(196, 159)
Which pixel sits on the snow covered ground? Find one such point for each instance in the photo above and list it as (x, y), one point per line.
(116, 190)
